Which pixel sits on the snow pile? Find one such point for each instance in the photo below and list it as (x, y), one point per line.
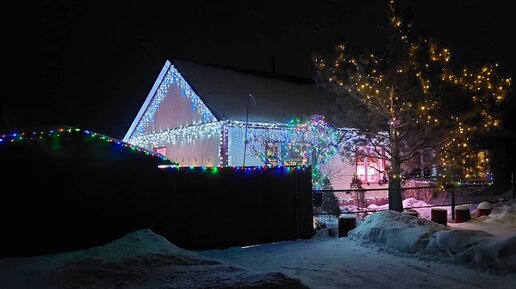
(475, 248)
(399, 232)
(348, 208)
(374, 207)
(141, 259)
(410, 203)
(500, 222)
(502, 214)
(407, 203)
(418, 205)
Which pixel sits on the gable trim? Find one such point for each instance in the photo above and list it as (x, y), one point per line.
(149, 98)
(169, 76)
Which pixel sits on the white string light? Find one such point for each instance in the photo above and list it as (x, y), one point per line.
(173, 77)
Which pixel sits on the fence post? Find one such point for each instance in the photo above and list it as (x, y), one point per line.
(453, 204)
(297, 204)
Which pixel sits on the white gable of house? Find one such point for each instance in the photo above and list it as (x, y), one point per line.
(171, 103)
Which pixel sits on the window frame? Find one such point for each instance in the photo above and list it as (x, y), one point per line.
(160, 149)
(365, 163)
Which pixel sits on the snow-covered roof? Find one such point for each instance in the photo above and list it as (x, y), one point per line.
(226, 93)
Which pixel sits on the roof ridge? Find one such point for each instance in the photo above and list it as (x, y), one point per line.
(270, 75)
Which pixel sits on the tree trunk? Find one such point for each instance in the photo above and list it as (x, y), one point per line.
(395, 202)
(395, 199)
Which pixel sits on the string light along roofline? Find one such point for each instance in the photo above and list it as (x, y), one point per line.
(168, 76)
(14, 137)
(244, 169)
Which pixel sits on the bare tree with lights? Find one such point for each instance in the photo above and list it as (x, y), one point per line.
(312, 139)
(302, 140)
(410, 98)
(265, 143)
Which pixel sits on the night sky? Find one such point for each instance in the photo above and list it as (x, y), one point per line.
(91, 66)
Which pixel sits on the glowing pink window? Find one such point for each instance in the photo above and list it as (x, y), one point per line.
(369, 168)
(161, 150)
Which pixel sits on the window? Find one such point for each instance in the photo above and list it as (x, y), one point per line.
(161, 150)
(429, 163)
(278, 153)
(483, 167)
(369, 168)
(271, 151)
(422, 164)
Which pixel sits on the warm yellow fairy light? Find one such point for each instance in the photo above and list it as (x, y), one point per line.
(371, 82)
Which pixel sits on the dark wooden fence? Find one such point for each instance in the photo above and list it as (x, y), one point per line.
(74, 190)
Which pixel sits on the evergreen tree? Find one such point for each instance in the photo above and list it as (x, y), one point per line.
(330, 203)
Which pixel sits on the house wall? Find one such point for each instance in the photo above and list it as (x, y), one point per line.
(236, 137)
(197, 152)
(174, 111)
(500, 161)
(340, 171)
(340, 177)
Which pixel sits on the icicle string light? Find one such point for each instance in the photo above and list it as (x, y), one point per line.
(198, 132)
(172, 77)
(256, 124)
(186, 134)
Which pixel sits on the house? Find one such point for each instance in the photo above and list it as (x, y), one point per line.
(200, 115)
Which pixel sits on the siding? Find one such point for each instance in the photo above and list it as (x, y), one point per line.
(198, 152)
(174, 111)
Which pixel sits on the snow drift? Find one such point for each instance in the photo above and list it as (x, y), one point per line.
(141, 259)
(404, 233)
(502, 214)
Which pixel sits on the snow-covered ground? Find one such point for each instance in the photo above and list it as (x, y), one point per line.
(138, 260)
(330, 263)
(387, 250)
(393, 250)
